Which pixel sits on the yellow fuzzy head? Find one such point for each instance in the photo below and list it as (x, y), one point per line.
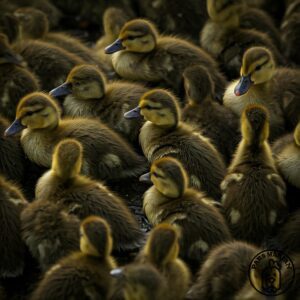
(95, 237)
(169, 177)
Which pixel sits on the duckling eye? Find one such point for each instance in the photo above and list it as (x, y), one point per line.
(30, 113)
(130, 38)
(76, 83)
(147, 107)
(257, 68)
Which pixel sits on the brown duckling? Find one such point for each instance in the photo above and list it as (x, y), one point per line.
(165, 135)
(89, 95)
(140, 53)
(161, 250)
(34, 24)
(83, 197)
(49, 232)
(140, 282)
(262, 83)
(50, 63)
(82, 275)
(113, 20)
(15, 80)
(253, 191)
(223, 38)
(106, 155)
(12, 248)
(200, 225)
(11, 155)
(290, 32)
(286, 152)
(215, 121)
(224, 272)
(173, 17)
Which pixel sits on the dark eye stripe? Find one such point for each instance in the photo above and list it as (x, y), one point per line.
(30, 113)
(157, 175)
(150, 107)
(258, 67)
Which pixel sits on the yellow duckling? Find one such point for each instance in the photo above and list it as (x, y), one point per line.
(106, 155)
(224, 272)
(161, 250)
(89, 95)
(15, 80)
(226, 39)
(253, 191)
(140, 282)
(140, 53)
(83, 197)
(261, 83)
(85, 274)
(200, 225)
(165, 135)
(12, 248)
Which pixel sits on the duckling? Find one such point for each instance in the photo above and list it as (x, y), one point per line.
(113, 20)
(200, 225)
(175, 18)
(223, 38)
(262, 83)
(49, 232)
(15, 81)
(83, 197)
(286, 152)
(161, 251)
(253, 191)
(165, 135)
(106, 155)
(11, 155)
(140, 282)
(34, 24)
(12, 248)
(290, 33)
(89, 95)
(224, 271)
(142, 54)
(82, 275)
(215, 121)
(50, 63)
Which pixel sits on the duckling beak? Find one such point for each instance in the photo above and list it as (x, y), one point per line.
(61, 90)
(145, 178)
(117, 273)
(243, 86)
(132, 114)
(114, 47)
(14, 128)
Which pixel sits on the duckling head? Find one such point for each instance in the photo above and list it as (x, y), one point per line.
(162, 245)
(67, 158)
(258, 66)
(33, 23)
(255, 124)
(168, 176)
(137, 35)
(36, 111)
(198, 84)
(7, 56)
(297, 134)
(159, 107)
(224, 11)
(95, 237)
(113, 20)
(83, 82)
(140, 282)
